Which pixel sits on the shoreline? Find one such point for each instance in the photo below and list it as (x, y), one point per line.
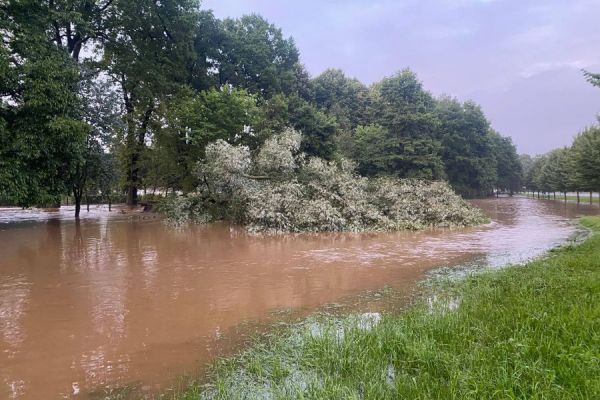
(444, 299)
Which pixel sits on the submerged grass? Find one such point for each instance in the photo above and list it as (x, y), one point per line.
(530, 332)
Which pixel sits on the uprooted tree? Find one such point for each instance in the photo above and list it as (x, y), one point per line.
(278, 188)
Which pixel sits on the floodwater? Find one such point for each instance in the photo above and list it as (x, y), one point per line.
(117, 300)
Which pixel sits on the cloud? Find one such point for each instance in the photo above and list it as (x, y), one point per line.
(534, 35)
(541, 67)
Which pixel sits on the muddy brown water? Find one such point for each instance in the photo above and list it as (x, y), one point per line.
(119, 300)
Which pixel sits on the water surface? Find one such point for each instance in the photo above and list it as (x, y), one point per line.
(119, 300)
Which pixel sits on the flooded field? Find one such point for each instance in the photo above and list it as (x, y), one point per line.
(119, 300)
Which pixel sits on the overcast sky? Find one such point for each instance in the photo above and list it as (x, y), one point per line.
(520, 59)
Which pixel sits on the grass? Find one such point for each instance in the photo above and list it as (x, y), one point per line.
(529, 332)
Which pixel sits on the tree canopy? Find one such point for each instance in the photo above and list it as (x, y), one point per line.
(144, 87)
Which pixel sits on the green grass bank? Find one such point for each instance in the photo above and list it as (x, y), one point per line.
(525, 332)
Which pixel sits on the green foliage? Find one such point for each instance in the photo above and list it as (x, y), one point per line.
(468, 147)
(148, 50)
(575, 168)
(317, 127)
(161, 80)
(407, 112)
(43, 136)
(256, 56)
(509, 171)
(189, 122)
(586, 154)
(344, 98)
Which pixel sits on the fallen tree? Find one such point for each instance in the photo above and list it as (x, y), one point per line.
(280, 189)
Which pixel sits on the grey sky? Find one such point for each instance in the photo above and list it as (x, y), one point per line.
(519, 59)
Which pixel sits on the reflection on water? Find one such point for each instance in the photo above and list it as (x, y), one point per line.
(113, 301)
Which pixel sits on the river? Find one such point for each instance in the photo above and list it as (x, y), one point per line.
(119, 300)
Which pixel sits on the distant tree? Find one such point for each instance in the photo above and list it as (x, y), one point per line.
(367, 148)
(555, 171)
(468, 149)
(317, 127)
(107, 180)
(534, 175)
(586, 155)
(256, 56)
(509, 171)
(526, 163)
(346, 99)
(407, 113)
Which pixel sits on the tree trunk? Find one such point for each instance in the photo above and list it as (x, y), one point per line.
(565, 194)
(554, 194)
(87, 202)
(578, 199)
(591, 198)
(109, 204)
(77, 206)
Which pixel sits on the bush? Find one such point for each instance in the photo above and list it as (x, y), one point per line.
(279, 189)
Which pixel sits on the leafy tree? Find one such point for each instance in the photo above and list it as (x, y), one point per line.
(207, 45)
(279, 189)
(407, 112)
(317, 127)
(586, 154)
(148, 51)
(102, 113)
(346, 99)
(43, 144)
(367, 147)
(592, 78)
(509, 171)
(191, 121)
(534, 176)
(526, 163)
(43, 136)
(555, 171)
(467, 147)
(256, 56)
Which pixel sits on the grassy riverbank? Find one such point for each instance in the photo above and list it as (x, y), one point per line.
(522, 332)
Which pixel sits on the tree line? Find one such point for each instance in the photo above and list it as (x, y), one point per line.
(575, 168)
(110, 97)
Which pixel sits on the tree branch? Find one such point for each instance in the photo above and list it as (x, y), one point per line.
(257, 177)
